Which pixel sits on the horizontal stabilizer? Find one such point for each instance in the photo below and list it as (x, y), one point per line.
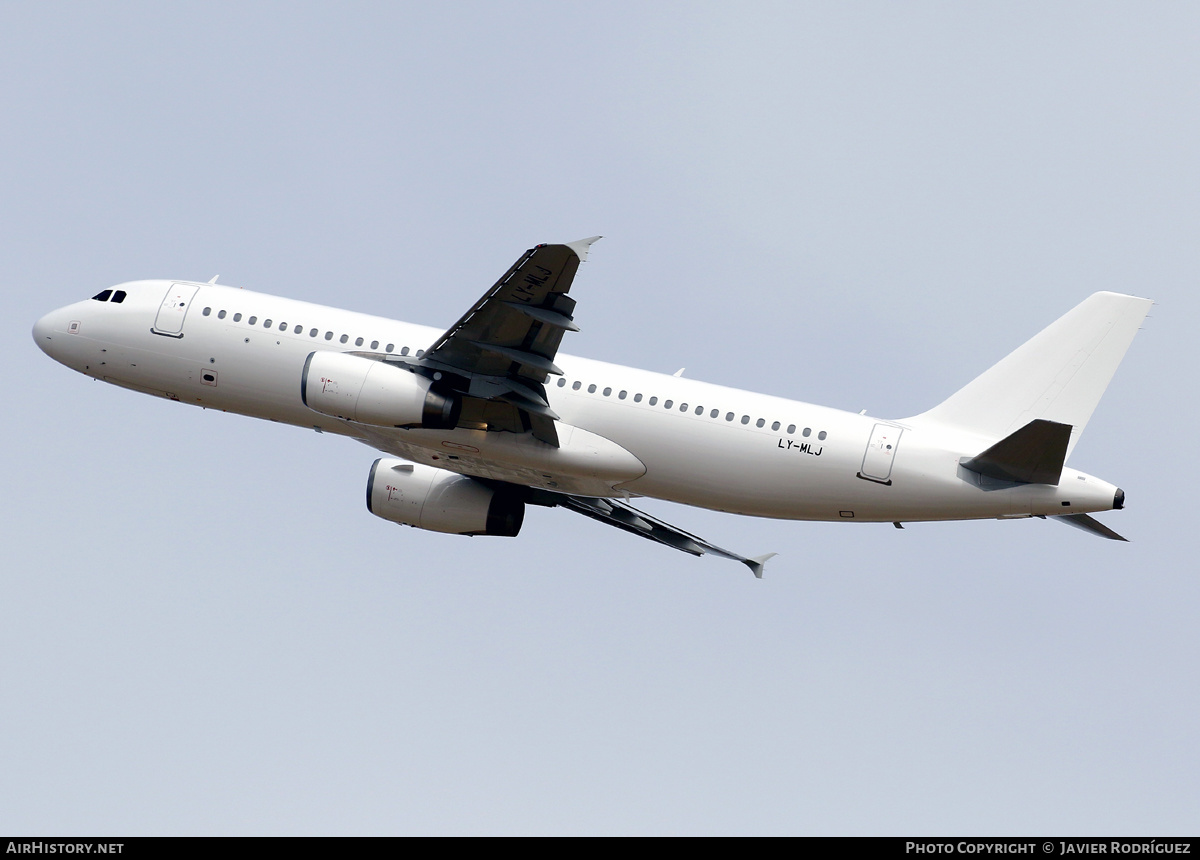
(1088, 524)
(1033, 455)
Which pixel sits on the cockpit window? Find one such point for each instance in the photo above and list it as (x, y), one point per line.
(118, 297)
(102, 296)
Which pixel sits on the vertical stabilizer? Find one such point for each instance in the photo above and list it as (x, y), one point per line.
(1059, 375)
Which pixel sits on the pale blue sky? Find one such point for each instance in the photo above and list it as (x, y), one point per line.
(859, 205)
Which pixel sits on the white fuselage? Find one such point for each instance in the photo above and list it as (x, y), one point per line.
(699, 444)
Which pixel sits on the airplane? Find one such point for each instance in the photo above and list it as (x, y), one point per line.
(487, 418)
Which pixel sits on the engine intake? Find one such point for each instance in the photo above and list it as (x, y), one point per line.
(427, 498)
(374, 392)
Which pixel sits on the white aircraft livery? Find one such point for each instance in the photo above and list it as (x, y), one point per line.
(482, 420)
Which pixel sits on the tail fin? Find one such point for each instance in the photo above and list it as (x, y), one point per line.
(1058, 375)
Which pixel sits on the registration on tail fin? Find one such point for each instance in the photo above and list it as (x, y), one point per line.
(1058, 375)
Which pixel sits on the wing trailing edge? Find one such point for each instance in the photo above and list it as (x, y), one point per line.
(500, 354)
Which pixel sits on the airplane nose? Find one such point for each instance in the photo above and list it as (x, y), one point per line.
(43, 332)
(50, 332)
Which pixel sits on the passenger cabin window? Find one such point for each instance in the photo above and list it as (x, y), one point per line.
(375, 345)
(358, 342)
(561, 382)
(298, 329)
(607, 392)
(637, 398)
(592, 389)
(237, 317)
(266, 323)
(312, 332)
(328, 335)
(576, 385)
(392, 346)
(822, 435)
(252, 320)
(206, 312)
(102, 296)
(791, 429)
(220, 315)
(403, 350)
(343, 338)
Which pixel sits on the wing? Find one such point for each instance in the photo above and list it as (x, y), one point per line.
(502, 351)
(640, 523)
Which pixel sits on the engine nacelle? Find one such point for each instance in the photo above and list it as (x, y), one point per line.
(440, 501)
(374, 392)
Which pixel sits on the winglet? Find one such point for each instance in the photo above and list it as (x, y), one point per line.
(757, 564)
(581, 246)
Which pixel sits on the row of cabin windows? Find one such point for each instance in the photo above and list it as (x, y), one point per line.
(115, 296)
(312, 332)
(684, 407)
(575, 386)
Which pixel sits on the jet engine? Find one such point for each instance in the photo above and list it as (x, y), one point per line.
(374, 392)
(427, 498)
